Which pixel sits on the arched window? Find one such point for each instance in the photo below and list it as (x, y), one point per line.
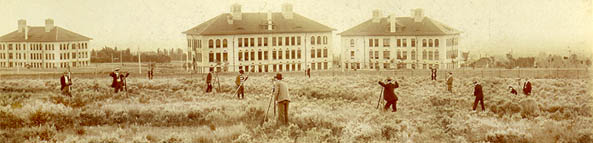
(318, 39)
(430, 43)
(423, 42)
(217, 43)
(312, 40)
(324, 39)
(210, 43)
(436, 42)
(224, 43)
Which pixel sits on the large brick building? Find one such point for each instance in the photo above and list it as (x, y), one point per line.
(260, 42)
(46, 46)
(415, 42)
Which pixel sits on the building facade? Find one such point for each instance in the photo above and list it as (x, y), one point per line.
(415, 42)
(259, 42)
(46, 46)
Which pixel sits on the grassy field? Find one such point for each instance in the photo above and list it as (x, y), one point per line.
(330, 107)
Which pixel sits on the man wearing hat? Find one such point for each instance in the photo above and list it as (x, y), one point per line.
(308, 72)
(117, 80)
(240, 81)
(479, 96)
(66, 81)
(433, 73)
(450, 82)
(209, 81)
(389, 94)
(281, 97)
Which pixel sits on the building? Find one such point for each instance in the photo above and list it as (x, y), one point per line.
(259, 42)
(415, 42)
(46, 46)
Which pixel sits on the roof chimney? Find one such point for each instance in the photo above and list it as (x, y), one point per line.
(229, 19)
(236, 12)
(22, 24)
(392, 23)
(26, 33)
(49, 25)
(418, 14)
(287, 11)
(377, 16)
(270, 20)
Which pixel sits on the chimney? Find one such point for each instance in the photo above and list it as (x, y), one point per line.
(229, 19)
(418, 14)
(236, 12)
(270, 20)
(377, 16)
(22, 24)
(392, 23)
(26, 33)
(287, 11)
(49, 25)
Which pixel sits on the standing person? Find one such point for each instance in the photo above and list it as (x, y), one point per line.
(209, 82)
(513, 91)
(479, 96)
(308, 72)
(116, 83)
(151, 73)
(240, 84)
(450, 82)
(389, 94)
(66, 82)
(281, 97)
(433, 75)
(124, 82)
(527, 87)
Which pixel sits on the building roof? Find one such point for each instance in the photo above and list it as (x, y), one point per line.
(38, 34)
(406, 27)
(256, 23)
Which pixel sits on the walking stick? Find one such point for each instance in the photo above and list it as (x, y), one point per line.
(268, 110)
(380, 96)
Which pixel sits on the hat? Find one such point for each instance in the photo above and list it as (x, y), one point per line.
(278, 76)
(116, 69)
(65, 72)
(389, 79)
(475, 82)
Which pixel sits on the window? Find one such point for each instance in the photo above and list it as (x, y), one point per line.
(245, 42)
(292, 40)
(404, 43)
(386, 55)
(386, 66)
(423, 42)
(436, 42)
(376, 54)
(413, 55)
(251, 42)
(224, 43)
(299, 40)
(429, 42)
(352, 55)
(370, 54)
(318, 53)
(210, 43)
(413, 42)
(286, 41)
(324, 65)
(252, 55)
(325, 53)
(376, 43)
(246, 56)
(217, 43)
(274, 67)
(430, 55)
(318, 39)
(211, 57)
(279, 67)
(299, 66)
(312, 40)
(386, 42)
(424, 55)
(312, 53)
(259, 41)
(399, 54)
(266, 56)
(266, 42)
(399, 42)
(279, 41)
(405, 55)
(218, 57)
(273, 55)
(370, 42)
(312, 66)
(293, 54)
(280, 55)
(259, 55)
(299, 54)
(287, 54)
(436, 55)
(351, 42)
(273, 41)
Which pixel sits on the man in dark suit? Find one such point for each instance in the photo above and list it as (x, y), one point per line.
(117, 82)
(308, 72)
(240, 81)
(209, 82)
(433, 75)
(389, 94)
(478, 93)
(151, 73)
(527, 87)
(66, 82)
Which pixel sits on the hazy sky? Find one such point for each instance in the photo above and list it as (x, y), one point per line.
(494, 26)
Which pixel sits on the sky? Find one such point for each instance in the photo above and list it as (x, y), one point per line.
(527, 27)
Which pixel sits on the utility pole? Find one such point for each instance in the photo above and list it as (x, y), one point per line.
(139, 62)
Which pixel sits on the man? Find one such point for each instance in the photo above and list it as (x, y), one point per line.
(450, 82)
(151, 73)
(433, 75)
(513, 91)
(240, 84)
(66, 81)
(389, 94)
(281, 97)
(479, 96)
(308, 72)
(117, 82)
(527, 87)
(209, 82)
(124, 81)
